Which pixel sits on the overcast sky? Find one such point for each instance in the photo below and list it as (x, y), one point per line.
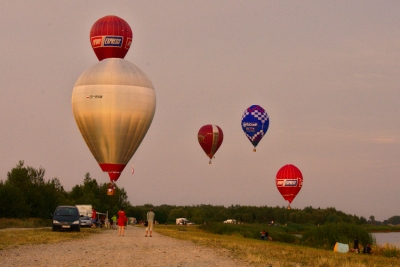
(327, 73)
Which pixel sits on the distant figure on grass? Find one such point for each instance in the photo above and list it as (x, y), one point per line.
(121, 222)
(94, 218)
(355, 246)
(367, 249)
(150, 219)
(262, 235)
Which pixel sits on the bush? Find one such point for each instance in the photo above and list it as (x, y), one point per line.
(327, 235)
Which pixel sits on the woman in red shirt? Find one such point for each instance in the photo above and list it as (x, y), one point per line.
(121, 222)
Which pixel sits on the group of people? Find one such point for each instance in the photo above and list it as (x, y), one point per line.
(149, 222)
(96, 222)
(265, 235)
(367, 249)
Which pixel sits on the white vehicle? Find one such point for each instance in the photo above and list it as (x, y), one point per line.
(85, 210)
(230, 221)
(182, 221)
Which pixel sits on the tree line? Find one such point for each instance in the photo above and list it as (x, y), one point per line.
(26, 194)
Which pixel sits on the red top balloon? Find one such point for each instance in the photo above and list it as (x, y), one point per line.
(289, 181)
(111, 37)
(210, 139)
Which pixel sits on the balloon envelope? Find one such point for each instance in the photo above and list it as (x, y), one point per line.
(110, 37)
(113, 104)
(210, 138)
(255, 123)
(289, 181)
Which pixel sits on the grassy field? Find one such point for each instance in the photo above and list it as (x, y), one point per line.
(16, 238)
(24, 223)
(266, 253)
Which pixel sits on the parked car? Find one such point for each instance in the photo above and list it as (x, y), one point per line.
(86, 221)
(66, 218)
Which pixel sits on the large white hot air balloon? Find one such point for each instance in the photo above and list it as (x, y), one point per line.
(113, 104)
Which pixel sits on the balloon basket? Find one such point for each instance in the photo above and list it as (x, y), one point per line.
(288, 207)
(111, 189)
(110, 192)
(209, 162)
(254, 150)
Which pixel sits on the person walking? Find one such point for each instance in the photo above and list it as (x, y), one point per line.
(114, 220)
(150, 220)
(121, 222)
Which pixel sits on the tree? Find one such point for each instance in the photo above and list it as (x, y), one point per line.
(30, 182)
(395, 220)
(12, 202)
(372, 219)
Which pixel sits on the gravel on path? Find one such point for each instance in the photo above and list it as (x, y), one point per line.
(109, 249)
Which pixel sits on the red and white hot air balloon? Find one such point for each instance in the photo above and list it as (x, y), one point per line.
(110, 37)
(210, 138)
(113, 104)
(289, 181)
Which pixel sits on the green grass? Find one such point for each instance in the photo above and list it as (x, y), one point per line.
(278, 233)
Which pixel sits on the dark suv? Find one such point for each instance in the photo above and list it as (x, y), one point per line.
(66, 218)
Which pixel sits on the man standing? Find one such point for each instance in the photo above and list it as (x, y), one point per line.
(355, 246)
(94, 218)
(150, 219)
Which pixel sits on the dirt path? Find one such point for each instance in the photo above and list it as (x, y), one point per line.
(109, 249)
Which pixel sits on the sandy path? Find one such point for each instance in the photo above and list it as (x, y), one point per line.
(109, 249)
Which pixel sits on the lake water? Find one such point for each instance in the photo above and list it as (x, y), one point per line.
(390, 238)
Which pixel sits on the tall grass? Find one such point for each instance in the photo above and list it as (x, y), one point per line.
(327, 235)
(387, 250)
(24, 223)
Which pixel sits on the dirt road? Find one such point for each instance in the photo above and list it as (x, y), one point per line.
(109, 249)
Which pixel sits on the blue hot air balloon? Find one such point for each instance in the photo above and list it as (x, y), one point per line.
(255, 122)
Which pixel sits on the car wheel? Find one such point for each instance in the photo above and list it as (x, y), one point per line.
(53, 229)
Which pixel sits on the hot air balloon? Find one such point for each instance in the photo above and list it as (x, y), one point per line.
(110, 37)
(113, 104)
(289, 181)
(210, 139)
(255, 122)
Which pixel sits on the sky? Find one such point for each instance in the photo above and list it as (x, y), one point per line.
(326, 72)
